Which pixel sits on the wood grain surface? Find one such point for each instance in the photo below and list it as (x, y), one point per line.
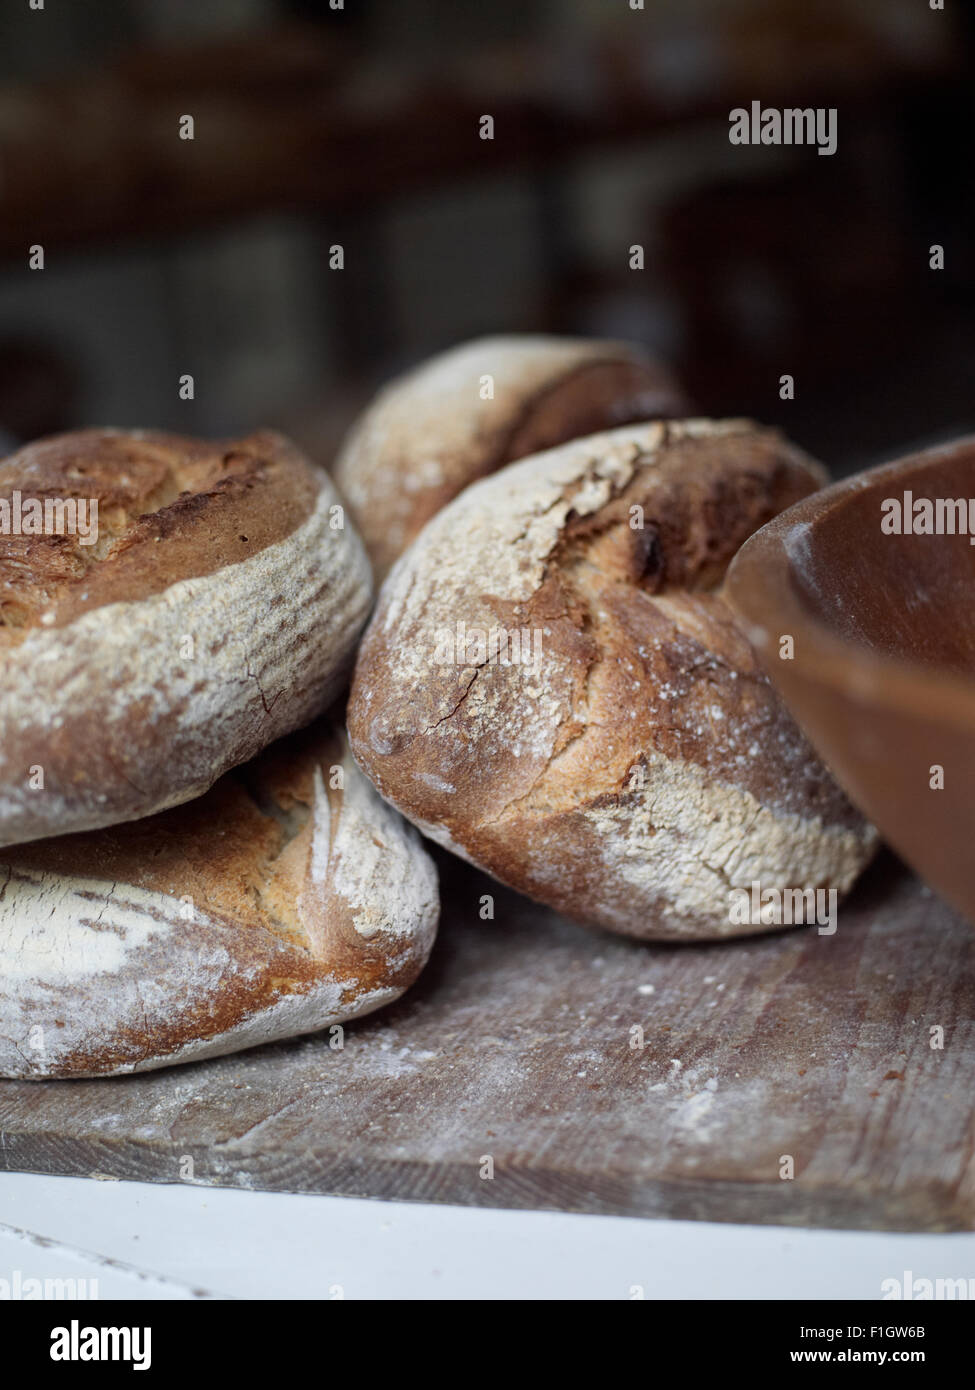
(517, 1045)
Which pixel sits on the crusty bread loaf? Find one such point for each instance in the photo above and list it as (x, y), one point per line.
(433, 431)
(276, 904)
(217, 610)
(597, 733)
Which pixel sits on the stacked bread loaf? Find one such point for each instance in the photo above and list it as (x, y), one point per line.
(212, 608)
(551, 685)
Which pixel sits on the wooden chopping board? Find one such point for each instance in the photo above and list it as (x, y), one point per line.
(516, 1045)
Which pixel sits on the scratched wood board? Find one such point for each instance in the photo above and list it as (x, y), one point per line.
(517, 1045)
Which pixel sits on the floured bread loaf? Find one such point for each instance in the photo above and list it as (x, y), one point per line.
(435, 430)
(552, 686)
(275, 905)
(213, 608)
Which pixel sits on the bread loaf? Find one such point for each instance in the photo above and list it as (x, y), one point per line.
(215, 608)
(277, 904)
(468, 412)
(552, 686)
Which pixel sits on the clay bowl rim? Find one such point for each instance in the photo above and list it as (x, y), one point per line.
(759, 586)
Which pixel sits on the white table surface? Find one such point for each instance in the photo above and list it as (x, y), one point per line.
(170, 1242)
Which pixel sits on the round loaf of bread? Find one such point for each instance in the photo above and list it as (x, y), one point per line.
(470, 411)
(553, 686)
(213, 606)
(290, 897)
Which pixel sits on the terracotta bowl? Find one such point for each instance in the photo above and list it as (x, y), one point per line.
(883, 674)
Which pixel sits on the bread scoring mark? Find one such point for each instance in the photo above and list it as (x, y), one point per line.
(433, 432)
(150, 488)
(321, 847)
(377, 862)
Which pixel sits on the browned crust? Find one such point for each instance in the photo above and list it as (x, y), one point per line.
(607, 635)
(169, 508)
(569, 389)
(643, 659)
(242, 854)
(584, 400)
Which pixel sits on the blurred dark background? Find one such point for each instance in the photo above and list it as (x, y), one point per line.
(358, 127)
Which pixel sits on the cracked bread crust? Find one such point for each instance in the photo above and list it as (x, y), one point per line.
(218, 610)
(640, 764)
(211, 504)
(430, 432)
(275, 905)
